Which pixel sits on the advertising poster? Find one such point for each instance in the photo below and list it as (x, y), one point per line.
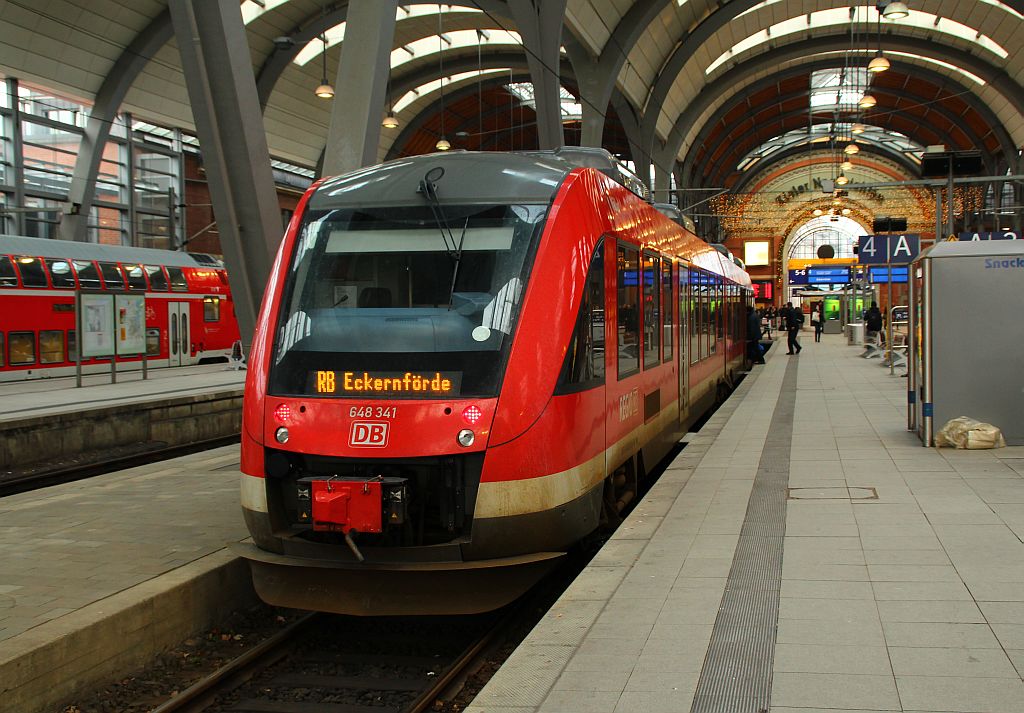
(97, 325)
(130, 311)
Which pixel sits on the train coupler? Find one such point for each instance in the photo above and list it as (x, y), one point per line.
(347, 504)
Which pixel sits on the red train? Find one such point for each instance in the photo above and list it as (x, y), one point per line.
(189, 313)
(435, 410)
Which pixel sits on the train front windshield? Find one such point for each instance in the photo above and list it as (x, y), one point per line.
(403, 302)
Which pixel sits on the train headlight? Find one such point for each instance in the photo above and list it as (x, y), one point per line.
(466, 438)
(281, 435)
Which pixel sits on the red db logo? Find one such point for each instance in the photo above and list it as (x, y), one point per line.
(368, 435)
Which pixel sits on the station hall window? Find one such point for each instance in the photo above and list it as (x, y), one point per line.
(31, 269)
(652, 311)
(628, 302)
(60, 273)
(88, 275)
(8, 278)
(112, 276)
(584, 361)
(51, 346)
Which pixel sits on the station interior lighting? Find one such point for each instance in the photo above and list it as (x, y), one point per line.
(390, 121)
(894, 10)
(851, 149)
(878, 63)
(857, 128)
(846, 165)
(867, 101)
(842, 180)
(325, 90)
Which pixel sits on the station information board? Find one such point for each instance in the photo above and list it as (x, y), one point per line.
(1000, 235)
(892, 249)
(763, 289)
(879, 275)
(828, 275)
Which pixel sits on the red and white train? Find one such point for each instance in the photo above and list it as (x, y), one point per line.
(463, 363)
(189, 312)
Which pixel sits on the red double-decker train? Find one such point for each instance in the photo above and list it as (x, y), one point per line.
(190, 316)
(463, 364)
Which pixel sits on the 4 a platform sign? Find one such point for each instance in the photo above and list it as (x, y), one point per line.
(888, 249)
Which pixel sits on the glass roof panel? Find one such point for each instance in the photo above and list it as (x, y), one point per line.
(865, 16)
(571, 109)
(822, 133)
(458, 39)
(838, 87)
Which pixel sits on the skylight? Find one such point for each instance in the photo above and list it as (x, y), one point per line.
(823, 133)
(865, 15)
(523, 91)
(435, 84)
(837, 87)
(423, 47)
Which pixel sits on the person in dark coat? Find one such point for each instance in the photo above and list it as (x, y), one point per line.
(818, 320)
(794, 319)
(873, 322)
(754, 336)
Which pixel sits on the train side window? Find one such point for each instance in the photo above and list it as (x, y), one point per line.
(136, 277)
(72, 345)
(666, 308)
(683, 278)
(8, 278)
(705, 317)
(88, 275)
(211, 309)
(157, 279)
(31, 269)
(112, 276)
(584, 361)
(60, 273)
(3, 352)
(22, 348)
(153, 342)
(178, 283)
(694, 316)
(628, 300)
(652, 311)
(51, 347)
(714, 312)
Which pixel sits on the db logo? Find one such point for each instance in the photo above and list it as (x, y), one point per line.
(368, 435)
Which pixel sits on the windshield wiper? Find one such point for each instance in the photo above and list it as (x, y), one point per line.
(429, 190)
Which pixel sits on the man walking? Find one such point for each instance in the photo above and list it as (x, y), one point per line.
(794, 318)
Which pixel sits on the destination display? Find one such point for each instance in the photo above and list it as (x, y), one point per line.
(763, 289)
(879, 275)
(828, 275)
(387, 383)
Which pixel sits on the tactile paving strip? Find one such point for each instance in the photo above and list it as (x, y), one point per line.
(737, 673)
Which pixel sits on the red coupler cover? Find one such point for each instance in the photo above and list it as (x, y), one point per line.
(342, 506)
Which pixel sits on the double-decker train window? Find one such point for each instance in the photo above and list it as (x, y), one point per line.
(51, 347)
(666, 308)
(88, 275)
(584, 360)
(178, 283)
(60, 273)
(136, 277)
(31, 269)
(8, 278)
(22, 347)
(211, 309)
(628, 302)
(157, 279)
(112, 276)
(652, 311)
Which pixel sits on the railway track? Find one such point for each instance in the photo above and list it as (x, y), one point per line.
(65, 472)
(331, 664)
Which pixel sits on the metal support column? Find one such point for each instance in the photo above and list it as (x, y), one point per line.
(17, 158)
(540, 26)
(222, 90)
(129, 182)
(360, 86)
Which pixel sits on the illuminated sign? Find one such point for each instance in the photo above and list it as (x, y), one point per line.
(755, 252)
(828, 275)
(763, 289)
(383, 383)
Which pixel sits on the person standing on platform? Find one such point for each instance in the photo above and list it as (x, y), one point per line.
(873, 323)
(794, 319)
(818, 320)
(754, 336)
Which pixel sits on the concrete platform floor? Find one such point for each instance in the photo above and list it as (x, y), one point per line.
(900, 585)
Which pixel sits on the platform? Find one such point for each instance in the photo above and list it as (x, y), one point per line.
(803, 553)
(97, 576)
(51, 419)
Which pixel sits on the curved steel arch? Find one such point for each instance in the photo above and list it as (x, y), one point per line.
(871, 149)
(939, 80)
(685, 50)
(727, 164)
(732, 80)
(312, 27)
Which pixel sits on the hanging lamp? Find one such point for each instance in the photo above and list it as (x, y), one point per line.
(325, 90)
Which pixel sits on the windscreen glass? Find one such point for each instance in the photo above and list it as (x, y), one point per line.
(403, 302)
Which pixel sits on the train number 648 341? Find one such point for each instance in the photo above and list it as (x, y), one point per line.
(373, 411)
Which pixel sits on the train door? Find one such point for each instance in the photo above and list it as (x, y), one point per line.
(684, 337)
(178, 333)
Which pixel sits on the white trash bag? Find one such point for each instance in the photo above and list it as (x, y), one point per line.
(964, 432)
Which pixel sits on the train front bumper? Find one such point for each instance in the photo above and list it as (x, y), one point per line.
(393, 588)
